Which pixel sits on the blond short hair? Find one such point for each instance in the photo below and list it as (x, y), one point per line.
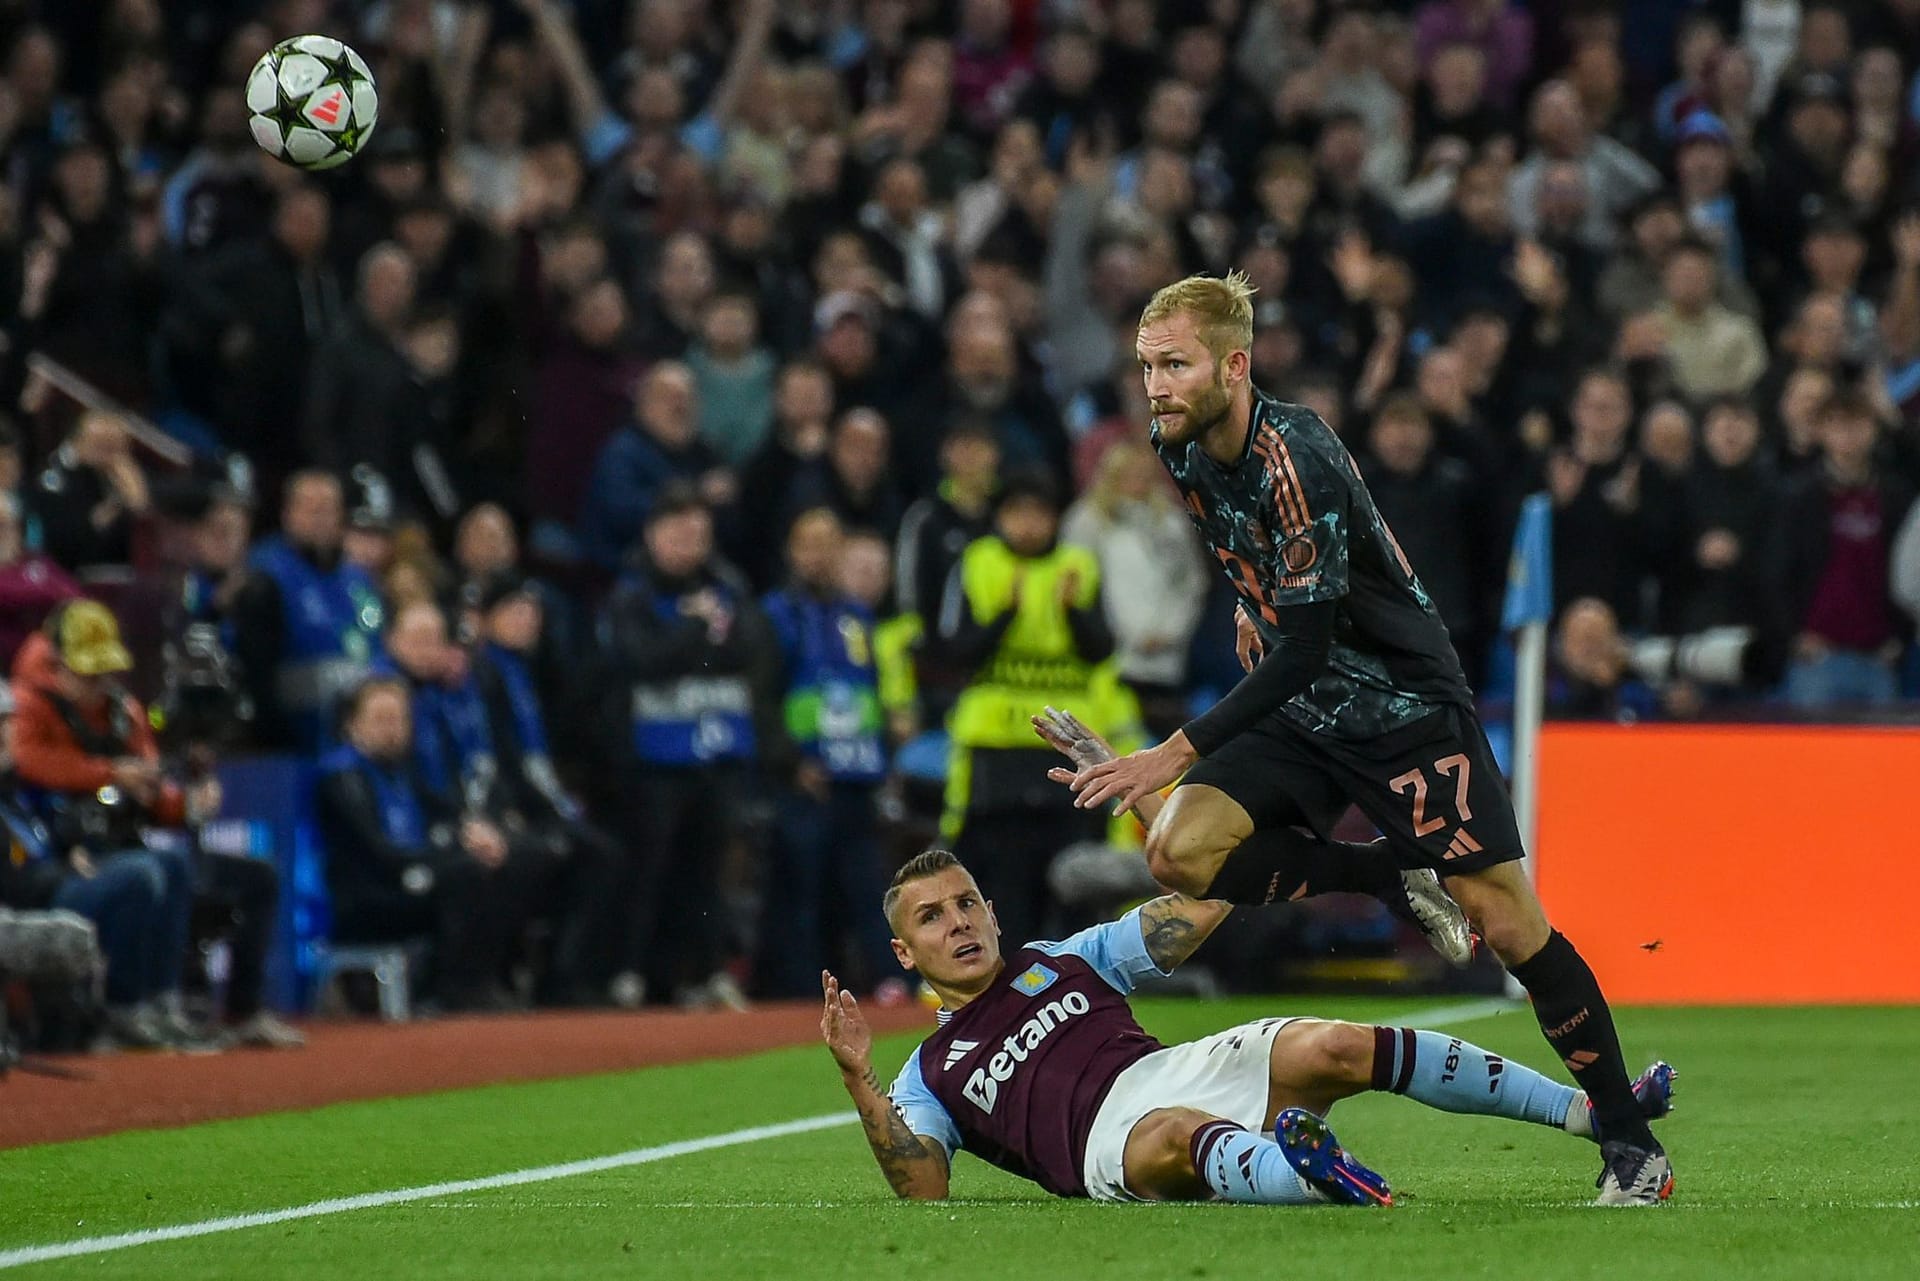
(1221, 308)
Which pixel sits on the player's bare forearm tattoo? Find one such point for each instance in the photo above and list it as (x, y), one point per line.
(1174, 927)
(902, 1154)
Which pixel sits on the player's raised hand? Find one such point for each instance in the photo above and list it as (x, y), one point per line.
(1246, 639)
(1066, 734)
(1133, 777)
(844, 1028)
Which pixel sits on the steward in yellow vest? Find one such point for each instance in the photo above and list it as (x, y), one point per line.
(1022, 615)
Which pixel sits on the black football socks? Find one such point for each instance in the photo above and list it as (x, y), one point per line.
(1277, 864)
(1579, 1026)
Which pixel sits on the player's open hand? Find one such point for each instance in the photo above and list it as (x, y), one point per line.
(844, 1028)
(1246, 639)
(1134, 777)
(1066, 734)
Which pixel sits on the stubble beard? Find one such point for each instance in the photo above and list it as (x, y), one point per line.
(1200, 416)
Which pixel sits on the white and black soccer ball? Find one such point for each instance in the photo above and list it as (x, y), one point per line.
(312, 102)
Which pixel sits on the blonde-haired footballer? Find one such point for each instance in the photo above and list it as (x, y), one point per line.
(1353, 694)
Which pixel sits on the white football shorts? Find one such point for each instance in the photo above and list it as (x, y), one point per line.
(1225, 1075)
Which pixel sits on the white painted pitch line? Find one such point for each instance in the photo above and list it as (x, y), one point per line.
(1464, 1012)
(400, 1196)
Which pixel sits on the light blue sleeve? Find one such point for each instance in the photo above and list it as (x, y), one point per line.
(1117, 951)
(923, 1113)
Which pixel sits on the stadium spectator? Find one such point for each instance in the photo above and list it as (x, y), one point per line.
(1710, 349)
(31, 584)
(826, 855)
(358, 407)
(854, 477)
(244, 327)
(90, 499)
(581, 898)
(1595, 485)
(733, 378)
(1021, 613)
(583, 384)
(660, 444)
(1730, 505)
(1616, 176)
(686, 650)
(1502, 34)
(802, 426)
(306, 623)
(400, 865)
(1153, 577)
(1836, 530)
(92, 286)
(1427, 498)
(934, 533)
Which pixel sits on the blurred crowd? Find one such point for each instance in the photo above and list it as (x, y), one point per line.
(694, 419)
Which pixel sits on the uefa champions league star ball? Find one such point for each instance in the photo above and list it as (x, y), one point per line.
(312, 102)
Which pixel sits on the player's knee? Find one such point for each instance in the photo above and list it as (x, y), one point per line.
(1185, 855)
(1165, 1136)
(1341, 1054)
(1503, 910)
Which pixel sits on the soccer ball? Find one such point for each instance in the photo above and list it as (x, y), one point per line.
(312, 101)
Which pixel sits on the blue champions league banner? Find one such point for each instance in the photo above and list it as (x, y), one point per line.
(268, 815)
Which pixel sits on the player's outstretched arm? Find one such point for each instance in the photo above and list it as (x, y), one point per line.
(1174, 926)
(915, 1167)
(1066, 734)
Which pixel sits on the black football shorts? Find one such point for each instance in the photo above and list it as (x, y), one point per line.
(1432, 787)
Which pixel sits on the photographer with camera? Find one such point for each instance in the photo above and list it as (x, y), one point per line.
(138, 900)
(86, 749)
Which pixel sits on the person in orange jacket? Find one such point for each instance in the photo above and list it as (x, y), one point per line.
(83, 743)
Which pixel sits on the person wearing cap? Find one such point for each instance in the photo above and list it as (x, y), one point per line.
(1021, 614)
(85, 748)
(130, 900)
(307, 622)
(1711, 187)
(689, 704)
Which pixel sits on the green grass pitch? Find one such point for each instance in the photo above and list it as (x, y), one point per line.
(1796, 1143)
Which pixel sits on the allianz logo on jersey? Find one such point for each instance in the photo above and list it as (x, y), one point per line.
(983, 1087)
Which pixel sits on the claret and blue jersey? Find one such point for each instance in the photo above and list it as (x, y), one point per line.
(1017, 1075)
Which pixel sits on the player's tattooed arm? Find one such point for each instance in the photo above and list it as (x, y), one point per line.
(1175, 926)
(915, 1167)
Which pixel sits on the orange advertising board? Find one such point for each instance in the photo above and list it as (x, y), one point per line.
(1735, 864)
